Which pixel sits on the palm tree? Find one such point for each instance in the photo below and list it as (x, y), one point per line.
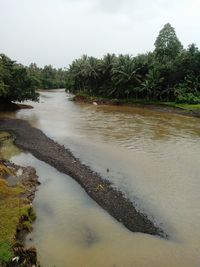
(105, 72)
(78, 73)
(92, 73)
(152, 84)
(125, 76)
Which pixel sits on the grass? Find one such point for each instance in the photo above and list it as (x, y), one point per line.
(4, 136)
(5, 252)
(9, 210)
(189, 107)
(9, 214)
(7, 148)
(12, 208)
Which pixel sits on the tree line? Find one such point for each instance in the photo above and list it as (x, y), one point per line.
(19, 83)
(47, 77)
(15, 83)
(169, 73)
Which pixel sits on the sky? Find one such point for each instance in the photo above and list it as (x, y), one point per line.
(58, 31)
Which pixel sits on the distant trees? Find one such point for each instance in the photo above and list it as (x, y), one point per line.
(47, 77)
(169, 73)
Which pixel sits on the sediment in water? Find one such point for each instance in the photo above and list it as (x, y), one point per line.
(112, 200)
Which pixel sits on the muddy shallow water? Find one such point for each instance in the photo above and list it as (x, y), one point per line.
(153, 157)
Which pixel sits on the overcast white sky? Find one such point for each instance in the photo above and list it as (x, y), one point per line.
(58, 31)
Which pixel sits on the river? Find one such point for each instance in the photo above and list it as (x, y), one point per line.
(153, 157)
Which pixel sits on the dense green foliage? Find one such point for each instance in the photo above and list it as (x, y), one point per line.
(169, 73)
(15, 83)
(18, 83)
(47, 77)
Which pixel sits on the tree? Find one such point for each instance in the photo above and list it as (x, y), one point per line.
(35, 74)
(167, 74)
(105, 73)
(48, 75)
(125, 76)
(152, 85)
(3, 86)
(15, 84)
(167, 45)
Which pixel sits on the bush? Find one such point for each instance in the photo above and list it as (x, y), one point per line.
(188, 98)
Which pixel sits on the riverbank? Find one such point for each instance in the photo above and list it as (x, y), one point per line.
(170, 107)
(13, 106)
(101, 190)
(17, 191)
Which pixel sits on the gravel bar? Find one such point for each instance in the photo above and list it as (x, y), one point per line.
(112, 200)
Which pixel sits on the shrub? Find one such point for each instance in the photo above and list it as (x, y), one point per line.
(188, 98)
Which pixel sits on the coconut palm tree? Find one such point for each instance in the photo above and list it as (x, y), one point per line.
(105, 72)
(125, 77)
(151, 86)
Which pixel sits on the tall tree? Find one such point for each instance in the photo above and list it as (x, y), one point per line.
(167, 44)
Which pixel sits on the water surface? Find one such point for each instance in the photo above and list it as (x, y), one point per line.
(152, 157)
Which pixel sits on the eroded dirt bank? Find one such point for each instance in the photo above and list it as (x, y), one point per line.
(113, 201)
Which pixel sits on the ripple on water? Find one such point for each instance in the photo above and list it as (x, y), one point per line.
(153, 157)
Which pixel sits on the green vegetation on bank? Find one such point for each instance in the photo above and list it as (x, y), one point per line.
(17, 184)
(47, 77)
(188, 107)
(10, 214)
(168, 74)
(16, 213)
(15, 83)
(18, 83)
(12, 209)
(84, 97)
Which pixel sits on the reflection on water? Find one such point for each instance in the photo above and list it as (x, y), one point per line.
(153, 157)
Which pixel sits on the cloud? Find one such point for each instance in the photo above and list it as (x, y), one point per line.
(113, 6)
(57, 31)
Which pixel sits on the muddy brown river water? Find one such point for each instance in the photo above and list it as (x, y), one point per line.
(153, 157)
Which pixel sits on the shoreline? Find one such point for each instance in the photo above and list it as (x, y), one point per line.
(14, 106)
(100, 190)
(159, 107)
(18, 186)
